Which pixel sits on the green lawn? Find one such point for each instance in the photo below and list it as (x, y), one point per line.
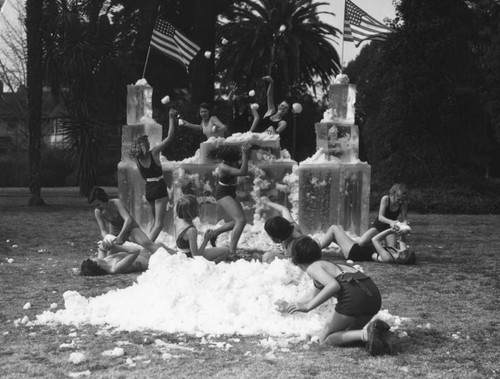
(452, 296)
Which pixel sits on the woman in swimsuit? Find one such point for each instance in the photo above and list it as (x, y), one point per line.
(210, 124)
(376, 251)
(135, 260)
(392, 208)
(273, 121)
(358, 300)
(225, 194)
(149, 165)
(186, 236)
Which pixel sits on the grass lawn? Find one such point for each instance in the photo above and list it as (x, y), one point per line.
(452, 296)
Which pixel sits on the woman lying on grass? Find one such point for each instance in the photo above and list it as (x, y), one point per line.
(358, 300)
(377, 251)
(135, 259)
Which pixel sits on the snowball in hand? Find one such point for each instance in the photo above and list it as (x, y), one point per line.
(165, 100)
(254, 106)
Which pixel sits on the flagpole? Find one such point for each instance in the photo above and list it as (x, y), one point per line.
(146, 63)
(343, 33)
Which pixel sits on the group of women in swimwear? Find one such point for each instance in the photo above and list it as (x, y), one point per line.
(358, 298)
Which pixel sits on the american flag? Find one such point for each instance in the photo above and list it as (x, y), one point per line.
(359, 26)
(171, 42)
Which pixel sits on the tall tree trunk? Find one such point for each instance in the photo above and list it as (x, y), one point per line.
(203, 68)
(34, 91)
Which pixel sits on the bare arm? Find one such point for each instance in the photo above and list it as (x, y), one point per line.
(281, 126)
(101, 223)
(218, 124)
(284, 211)
(192, 235)
(404, 212)
(331, 287)
(270, 101)
(123, 264)
(384, 203)
(127, 222)
(381, 250)
(170, 136)
(197, 127)
(256, 119)
(243, 170)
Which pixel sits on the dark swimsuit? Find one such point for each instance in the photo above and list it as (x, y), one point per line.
(361, 253)
(155, 185)
(358, 295)
(266, 123)
(182, 244)
(391, 215)
(226, 186)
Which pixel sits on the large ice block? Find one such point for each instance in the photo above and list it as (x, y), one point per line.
(338, 140)
(139, 103)
(334, 194)
(130, 132)
(264, 147)
(342, 100)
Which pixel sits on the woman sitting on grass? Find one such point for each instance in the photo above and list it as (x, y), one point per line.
(358, 300)
(186, 239)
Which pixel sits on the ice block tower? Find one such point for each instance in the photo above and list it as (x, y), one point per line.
(334, 186)
(131, 186)
(197, 175)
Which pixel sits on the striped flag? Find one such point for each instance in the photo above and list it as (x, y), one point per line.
(359, 26)
(171, 42)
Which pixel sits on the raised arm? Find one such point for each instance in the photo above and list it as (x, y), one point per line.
(271, 108)
(256, 119)
(172, 114)
(284, 211)
(243, 170)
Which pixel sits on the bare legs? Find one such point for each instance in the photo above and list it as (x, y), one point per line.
(235, 211)
(343, 330)
(336, 234)
(158, 208)
(140, 238)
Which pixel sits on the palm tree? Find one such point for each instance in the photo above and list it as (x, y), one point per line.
(34, 93)
(284, 38)
(84, 67)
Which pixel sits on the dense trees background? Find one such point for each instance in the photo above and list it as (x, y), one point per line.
(428, 98)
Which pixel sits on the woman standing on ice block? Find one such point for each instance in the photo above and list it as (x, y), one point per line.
(186, 234)
(210, 124)
(149, 165)
(273, 121)
(358, 300)
(225, 194)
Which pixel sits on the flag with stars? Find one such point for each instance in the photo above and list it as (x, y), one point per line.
(359, 26)
(171, 42)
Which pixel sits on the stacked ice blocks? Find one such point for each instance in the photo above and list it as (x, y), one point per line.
(139, 102)
(335, 189)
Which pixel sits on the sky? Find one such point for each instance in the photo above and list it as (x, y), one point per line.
(378, 9)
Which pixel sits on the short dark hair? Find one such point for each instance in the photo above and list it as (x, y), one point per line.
(186, 207)
(305, 250)
(91, 268)
(278, 228)
(206, 106)
(97, 193)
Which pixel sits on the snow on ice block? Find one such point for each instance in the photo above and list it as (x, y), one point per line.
(265, 147)
(334, 194)
(130, 132)
(342, 100)
(338, 140)
(139, 103)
